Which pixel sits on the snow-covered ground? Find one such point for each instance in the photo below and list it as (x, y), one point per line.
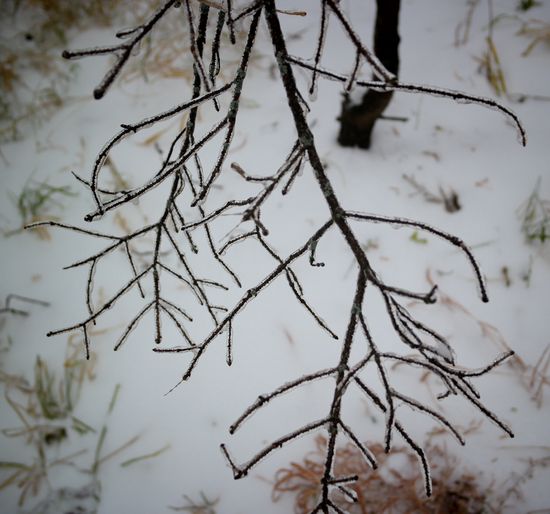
(465, 148)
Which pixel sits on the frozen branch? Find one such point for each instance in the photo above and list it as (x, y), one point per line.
(457, 96)
(186, 210)
(122, 51)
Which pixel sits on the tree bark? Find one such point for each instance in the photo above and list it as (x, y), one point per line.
(357, 121)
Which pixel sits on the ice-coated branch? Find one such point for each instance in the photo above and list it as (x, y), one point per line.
(233, 107)
(264, 399)
(390, 418)
(323, 25)
(105, 307)
(377, 67)
(457, 96)
(295, 286)
(165, 172)
(242, 471)
(187, 216)
(454, 240)
(122, 51)
(129, 129)
(251, 294)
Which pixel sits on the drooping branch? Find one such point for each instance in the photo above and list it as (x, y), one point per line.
(377, 67)
(458, 96)
(251, 294)
(263, 399)
(122, 51)
(186, 209)
(128, 129)
(233, 107)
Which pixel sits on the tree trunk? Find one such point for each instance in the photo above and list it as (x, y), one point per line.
(357, 121)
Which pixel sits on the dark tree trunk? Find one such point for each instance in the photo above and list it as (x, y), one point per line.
(357, 121)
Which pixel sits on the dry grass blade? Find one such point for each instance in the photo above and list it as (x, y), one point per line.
(538, 31)
(45, 409)
(146, 456)
(450, 200)
(36, 201)
(203, 506)
(534, 215)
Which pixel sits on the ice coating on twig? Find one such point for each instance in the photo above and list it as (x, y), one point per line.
(187, 210)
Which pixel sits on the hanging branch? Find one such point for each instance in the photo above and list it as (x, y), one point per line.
(123, 50)
(132, 129)
(377, 67)
(457, 96)
(170, 238)
(320, 44)
(233, 108)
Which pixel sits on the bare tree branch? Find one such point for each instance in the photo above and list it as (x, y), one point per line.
(187, 213)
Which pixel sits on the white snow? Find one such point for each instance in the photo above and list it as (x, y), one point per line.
(467, 148)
